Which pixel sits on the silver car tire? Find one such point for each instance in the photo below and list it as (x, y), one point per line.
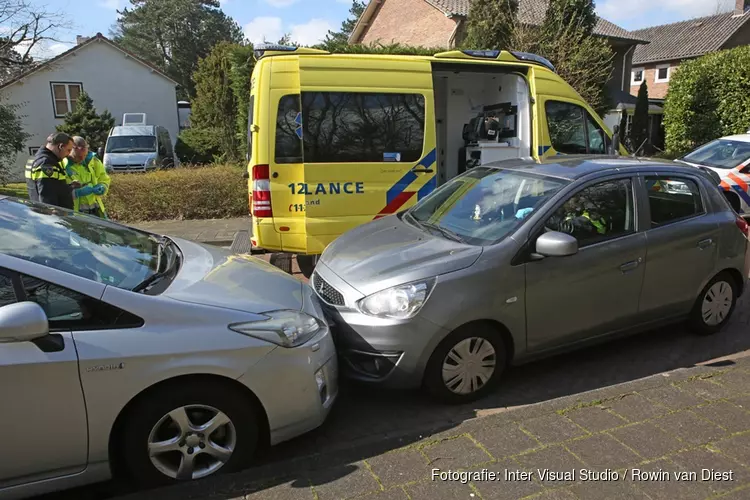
(188, 432)
(484, 345)
(715, 305)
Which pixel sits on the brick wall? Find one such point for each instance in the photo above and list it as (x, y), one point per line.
(409, 22)
(655, 90)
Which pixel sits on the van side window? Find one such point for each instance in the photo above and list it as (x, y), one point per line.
(353, 127)
(573, 131)
(288, 147)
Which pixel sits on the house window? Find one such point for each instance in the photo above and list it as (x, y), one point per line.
(64, 97)
(637, 76)
(33, 150)
(661, 74)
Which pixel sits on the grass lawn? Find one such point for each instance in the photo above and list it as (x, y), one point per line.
(17, 190)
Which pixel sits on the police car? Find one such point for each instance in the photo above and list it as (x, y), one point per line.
(729, 157)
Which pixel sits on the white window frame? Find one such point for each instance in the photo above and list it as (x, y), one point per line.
(632, 76)
(67, 86)
(656, 73)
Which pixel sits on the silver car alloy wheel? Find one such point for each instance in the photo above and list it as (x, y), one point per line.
(716, 303)
(469, 365)
(191, 442)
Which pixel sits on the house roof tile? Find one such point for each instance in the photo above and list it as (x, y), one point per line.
(98, 38)
(533, 12)
(685, 39)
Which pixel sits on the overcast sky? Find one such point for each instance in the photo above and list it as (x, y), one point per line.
(309, 20)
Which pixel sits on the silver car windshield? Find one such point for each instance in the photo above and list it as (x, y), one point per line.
(82, 245)
(721, 153)
(484, 205)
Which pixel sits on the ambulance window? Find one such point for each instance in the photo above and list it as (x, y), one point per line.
(288, 130)
(573, 131)
(352, 127)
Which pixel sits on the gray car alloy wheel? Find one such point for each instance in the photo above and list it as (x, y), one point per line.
(469, 365)
(191, 442)
(717, 302)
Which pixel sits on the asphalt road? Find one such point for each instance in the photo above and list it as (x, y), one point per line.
(364, 411)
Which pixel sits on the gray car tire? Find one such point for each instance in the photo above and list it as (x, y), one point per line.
(696, 321)
(150, 410)
(433, 376)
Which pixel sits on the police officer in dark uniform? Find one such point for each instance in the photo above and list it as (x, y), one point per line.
(46, 178)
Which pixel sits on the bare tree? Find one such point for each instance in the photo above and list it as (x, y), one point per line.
(23, 27)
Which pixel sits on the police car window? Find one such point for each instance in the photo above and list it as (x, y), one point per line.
(672, 199)
(288, 147)
(597, 213)
(355, 127)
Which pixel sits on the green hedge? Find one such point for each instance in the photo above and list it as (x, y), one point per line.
(213, 192)
(708, 98)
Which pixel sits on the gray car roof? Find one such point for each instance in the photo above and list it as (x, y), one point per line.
(574, 167)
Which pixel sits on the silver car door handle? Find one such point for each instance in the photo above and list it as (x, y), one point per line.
(705, 243)
(629, 266)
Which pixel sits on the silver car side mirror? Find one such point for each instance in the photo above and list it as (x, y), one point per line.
(556, 244)
(22, 322)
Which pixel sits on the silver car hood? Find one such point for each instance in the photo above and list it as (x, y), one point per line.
(216, 277)
(133, 159)
(388, 252)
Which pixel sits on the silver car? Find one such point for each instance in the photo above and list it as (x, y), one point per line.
(122, 352)
(517, 260)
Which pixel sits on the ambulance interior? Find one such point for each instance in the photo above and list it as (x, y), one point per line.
(480, 117)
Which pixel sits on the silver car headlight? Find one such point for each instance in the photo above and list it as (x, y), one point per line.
(400, 302)
(283, 328)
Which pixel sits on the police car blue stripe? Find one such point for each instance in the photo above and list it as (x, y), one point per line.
(743, 194)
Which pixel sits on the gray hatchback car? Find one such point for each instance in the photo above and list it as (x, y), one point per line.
(518, 260)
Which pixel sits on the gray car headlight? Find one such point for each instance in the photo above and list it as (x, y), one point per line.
(400, 302)
(283, 328)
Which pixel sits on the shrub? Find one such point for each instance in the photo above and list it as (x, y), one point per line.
(199, 146)
(708, 98)
(215, 192)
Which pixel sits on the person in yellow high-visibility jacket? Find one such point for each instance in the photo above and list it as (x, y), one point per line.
(84, 167)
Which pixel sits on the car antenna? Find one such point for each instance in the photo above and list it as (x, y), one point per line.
(635, 155)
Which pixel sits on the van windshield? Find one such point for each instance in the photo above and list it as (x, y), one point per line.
(484, 205)
(131, 144)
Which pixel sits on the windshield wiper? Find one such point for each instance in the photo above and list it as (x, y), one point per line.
(160, 274)
(445, 232)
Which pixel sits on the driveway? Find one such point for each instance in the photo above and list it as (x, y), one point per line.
(365, 414)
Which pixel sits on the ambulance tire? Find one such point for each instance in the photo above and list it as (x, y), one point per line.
(283, 261)
(307, 264)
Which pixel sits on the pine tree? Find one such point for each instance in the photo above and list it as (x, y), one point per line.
(491, 24)
(639, 126)
(562, 14)
(85, 122)
(335, 40)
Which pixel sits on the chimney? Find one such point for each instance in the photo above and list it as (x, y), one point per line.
(81, 39)
(739, 7)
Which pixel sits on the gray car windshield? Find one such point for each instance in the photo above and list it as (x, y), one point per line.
(131, 144)
(484, 205)
(721, 153)
(82, 245)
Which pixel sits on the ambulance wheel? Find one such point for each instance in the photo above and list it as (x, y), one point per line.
(307, 264)
(283, 261)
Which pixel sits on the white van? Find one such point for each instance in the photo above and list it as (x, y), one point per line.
(137, 147)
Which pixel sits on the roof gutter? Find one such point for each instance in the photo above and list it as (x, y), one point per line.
(625, 65)
(364, 21)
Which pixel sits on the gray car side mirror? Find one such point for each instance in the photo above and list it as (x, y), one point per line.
(22, 322)
(556, 244)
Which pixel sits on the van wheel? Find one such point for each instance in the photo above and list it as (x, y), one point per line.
(714, 305)
(307, 264)
(466, 365)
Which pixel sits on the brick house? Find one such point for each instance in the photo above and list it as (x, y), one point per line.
(441, 23)
(671, 44)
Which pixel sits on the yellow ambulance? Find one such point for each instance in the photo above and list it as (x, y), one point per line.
(337, 140)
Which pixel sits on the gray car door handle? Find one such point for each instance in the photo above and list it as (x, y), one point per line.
(705, 243)
(629, 266)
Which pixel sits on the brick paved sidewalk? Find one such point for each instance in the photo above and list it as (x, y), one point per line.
(682, 421)
(214, 231)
